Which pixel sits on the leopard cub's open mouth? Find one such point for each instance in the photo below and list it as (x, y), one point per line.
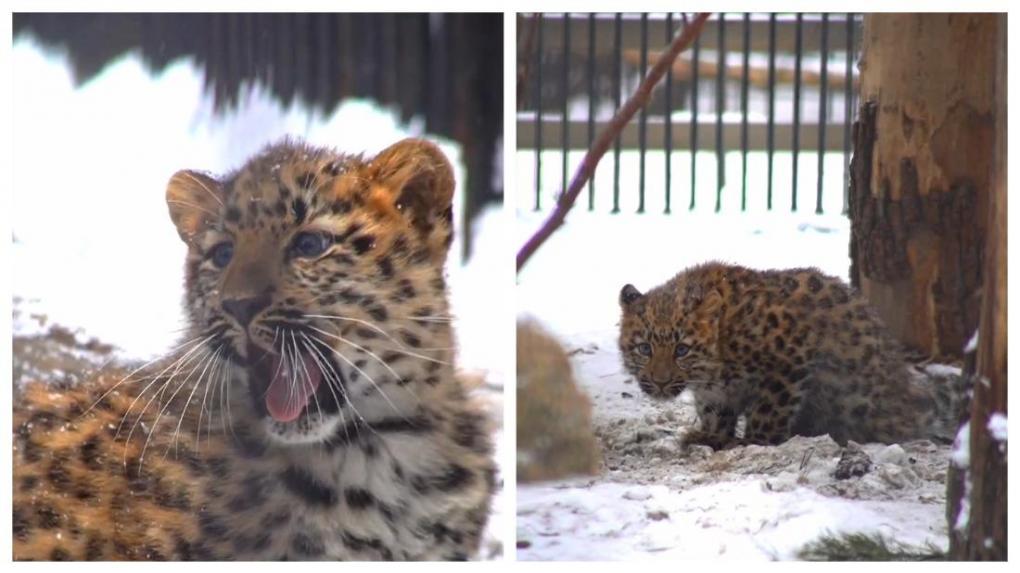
(281, 386)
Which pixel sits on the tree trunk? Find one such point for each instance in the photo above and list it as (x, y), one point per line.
(919, 191)
(978, 491)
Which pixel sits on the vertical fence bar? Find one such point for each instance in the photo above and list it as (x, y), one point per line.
(565, 89)
(797, 60)
(823, 104)
(744, 83)
(770, 131)
(848, 109)
(643, 119)
(538, 112)
(669, 116)
(591, 103)
(617, 74)
(720, 107)
(696, 62)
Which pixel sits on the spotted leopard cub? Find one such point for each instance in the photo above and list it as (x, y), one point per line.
(795, 351)
(311, 412)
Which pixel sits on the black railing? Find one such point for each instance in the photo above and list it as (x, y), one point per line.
(776, 83)
(436, 67)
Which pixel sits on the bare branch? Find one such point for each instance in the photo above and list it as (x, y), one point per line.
(601, 144)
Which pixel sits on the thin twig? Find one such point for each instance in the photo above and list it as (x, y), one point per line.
(599, 147)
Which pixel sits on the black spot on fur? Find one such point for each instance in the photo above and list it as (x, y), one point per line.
(814, 284)
(468, 432)
(48, 517)
(20, 524)
(379, 313)
(385, 267)
(340, 207)
(410, 339)
(57, 474)
(299, 209)
(406, 289)
(366, 333)
(211, 525)
(304, 544)
(220, 467)
(233, 214)
(399, 247)
(358, 498)
(94, 549)
(173, 500)
(454, 478)
(89, 451)
(152, 553)
(360, 544)
(28, 483)
(305, 180)
(261, 542)
(363, 244)
(59, 554)
(305, 487)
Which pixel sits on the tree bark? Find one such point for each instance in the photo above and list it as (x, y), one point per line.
(920, 181)
(984, 535)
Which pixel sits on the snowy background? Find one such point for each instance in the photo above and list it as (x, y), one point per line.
(94, 251)
(653, 500)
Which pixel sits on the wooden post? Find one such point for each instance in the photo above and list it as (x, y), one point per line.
(978, 491)
(920, 183)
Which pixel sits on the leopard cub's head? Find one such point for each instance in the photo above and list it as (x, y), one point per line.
(314, 283)
(669, 336)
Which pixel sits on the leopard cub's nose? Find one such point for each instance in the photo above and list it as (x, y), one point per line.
(246, 308)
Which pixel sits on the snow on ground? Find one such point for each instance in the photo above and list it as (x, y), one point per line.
(96, 260)
(653, 499)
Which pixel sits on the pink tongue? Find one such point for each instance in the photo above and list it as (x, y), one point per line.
(290, 389)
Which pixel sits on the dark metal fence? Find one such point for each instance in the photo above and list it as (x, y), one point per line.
(771, 83)
(443, 68)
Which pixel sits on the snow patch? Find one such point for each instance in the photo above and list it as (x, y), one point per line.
(960, 455)
(943, 370)
(971, 344)
(997, 426)
(963, 517)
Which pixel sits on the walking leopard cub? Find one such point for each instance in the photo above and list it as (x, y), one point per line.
(794, 351)
(312, 411)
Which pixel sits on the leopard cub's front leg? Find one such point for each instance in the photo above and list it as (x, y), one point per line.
(717, 423)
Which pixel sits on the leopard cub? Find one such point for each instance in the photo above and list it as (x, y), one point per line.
(312, 411)
(794, 351)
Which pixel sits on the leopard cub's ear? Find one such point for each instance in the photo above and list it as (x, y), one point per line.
(628, 295)
(414, 180)
(194, 200)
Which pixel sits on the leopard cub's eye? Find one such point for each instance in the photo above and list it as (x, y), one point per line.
(644, 349)
(681, 350)
(309, 244)
(221, 254)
